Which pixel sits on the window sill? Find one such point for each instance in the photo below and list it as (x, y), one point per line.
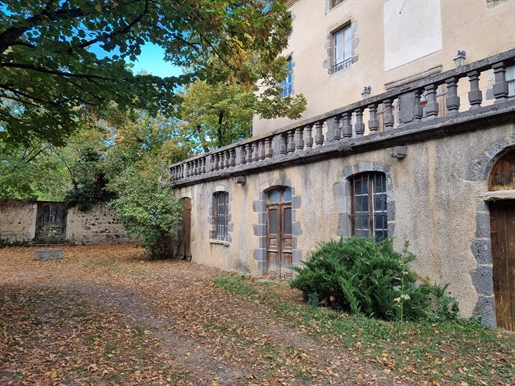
(219, 242)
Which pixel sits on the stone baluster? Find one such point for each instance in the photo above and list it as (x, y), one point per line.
(388, 114)
(261, 150)
(309, 136)
(268, 148)
(203, 165)
(432, 107)
(290, 147)
(319, 137)
(418, 107)
(209, 163)
(195, 167)
(282, 144)
(300, 138)
(232, 157)
(453, 100)
(337, 129)
(475, 95)
(248, 150)
(359, 126)
(216, 157)
(221, 164)
(255, 155)
(373, 122)
(188, 169)
(240, 160)
(227, 156)
(347, 127)
(500, 86)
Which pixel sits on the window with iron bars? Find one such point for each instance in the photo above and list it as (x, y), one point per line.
(220, 216)
(369, 209)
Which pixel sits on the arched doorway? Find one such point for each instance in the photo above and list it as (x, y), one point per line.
(502, 233)
(279, 232)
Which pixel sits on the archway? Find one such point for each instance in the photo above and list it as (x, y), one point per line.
(502, 233)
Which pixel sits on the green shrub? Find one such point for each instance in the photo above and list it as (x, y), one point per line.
(149, 210)
(361, 276)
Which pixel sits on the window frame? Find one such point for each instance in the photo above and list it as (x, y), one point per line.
(371, 214)
(510, 80)
(220, 229)
(334, 3)
(343, 60)
(287, 83)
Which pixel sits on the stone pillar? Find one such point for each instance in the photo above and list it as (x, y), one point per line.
(373, 122)
(359, 126)
(432, 107)
(453, 100)
(500, 86)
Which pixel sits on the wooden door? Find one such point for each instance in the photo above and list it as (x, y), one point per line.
(184, 251)
(279, 234)
(51, 222)
(502, 225)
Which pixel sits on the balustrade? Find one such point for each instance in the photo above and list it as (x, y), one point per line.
(383, 113)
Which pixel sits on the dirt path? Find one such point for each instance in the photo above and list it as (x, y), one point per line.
(103, 315)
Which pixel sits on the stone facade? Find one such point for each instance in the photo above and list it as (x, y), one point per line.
(393, 42)
(434, 160)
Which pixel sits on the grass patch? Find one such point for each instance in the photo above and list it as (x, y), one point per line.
(449, 352)
(236, 284)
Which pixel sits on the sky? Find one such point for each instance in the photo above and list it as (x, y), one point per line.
(150, 60)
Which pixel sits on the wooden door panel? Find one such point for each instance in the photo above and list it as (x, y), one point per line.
(502, 226)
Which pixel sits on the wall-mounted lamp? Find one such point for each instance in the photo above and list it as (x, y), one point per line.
(366, 92)
(240, 180)
(460, 57)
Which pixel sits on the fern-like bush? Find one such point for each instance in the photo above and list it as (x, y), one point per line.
(361, 276)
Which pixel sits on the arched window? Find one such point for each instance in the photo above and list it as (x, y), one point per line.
(369, 211)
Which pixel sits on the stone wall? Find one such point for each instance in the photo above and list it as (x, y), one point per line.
(17, 220)
(96, 226)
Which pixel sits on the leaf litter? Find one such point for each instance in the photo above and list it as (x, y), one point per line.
(104, 315)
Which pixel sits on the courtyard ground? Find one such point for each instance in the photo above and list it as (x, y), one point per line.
(105, 315)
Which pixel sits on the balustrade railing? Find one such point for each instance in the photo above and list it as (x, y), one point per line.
(414, 102)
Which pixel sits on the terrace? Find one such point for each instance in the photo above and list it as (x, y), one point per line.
(412, 112)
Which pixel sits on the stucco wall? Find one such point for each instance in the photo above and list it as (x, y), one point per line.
(432, 202)
(17, 220)
(96, 226)
(443, 27)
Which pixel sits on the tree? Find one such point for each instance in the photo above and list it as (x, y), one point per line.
(51, 78)
(218, 113)
(148, 208)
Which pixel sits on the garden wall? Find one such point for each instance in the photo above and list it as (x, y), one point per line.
(100, 225)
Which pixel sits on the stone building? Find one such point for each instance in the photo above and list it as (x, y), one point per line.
(399, 140)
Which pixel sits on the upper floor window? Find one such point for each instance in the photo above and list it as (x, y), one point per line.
(510, 79)
(334, 3)
(220, 216)
(341, 49)
(288, 81)
(369, 211)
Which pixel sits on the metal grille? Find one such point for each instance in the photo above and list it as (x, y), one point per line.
(220, 206)
(370, 206)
